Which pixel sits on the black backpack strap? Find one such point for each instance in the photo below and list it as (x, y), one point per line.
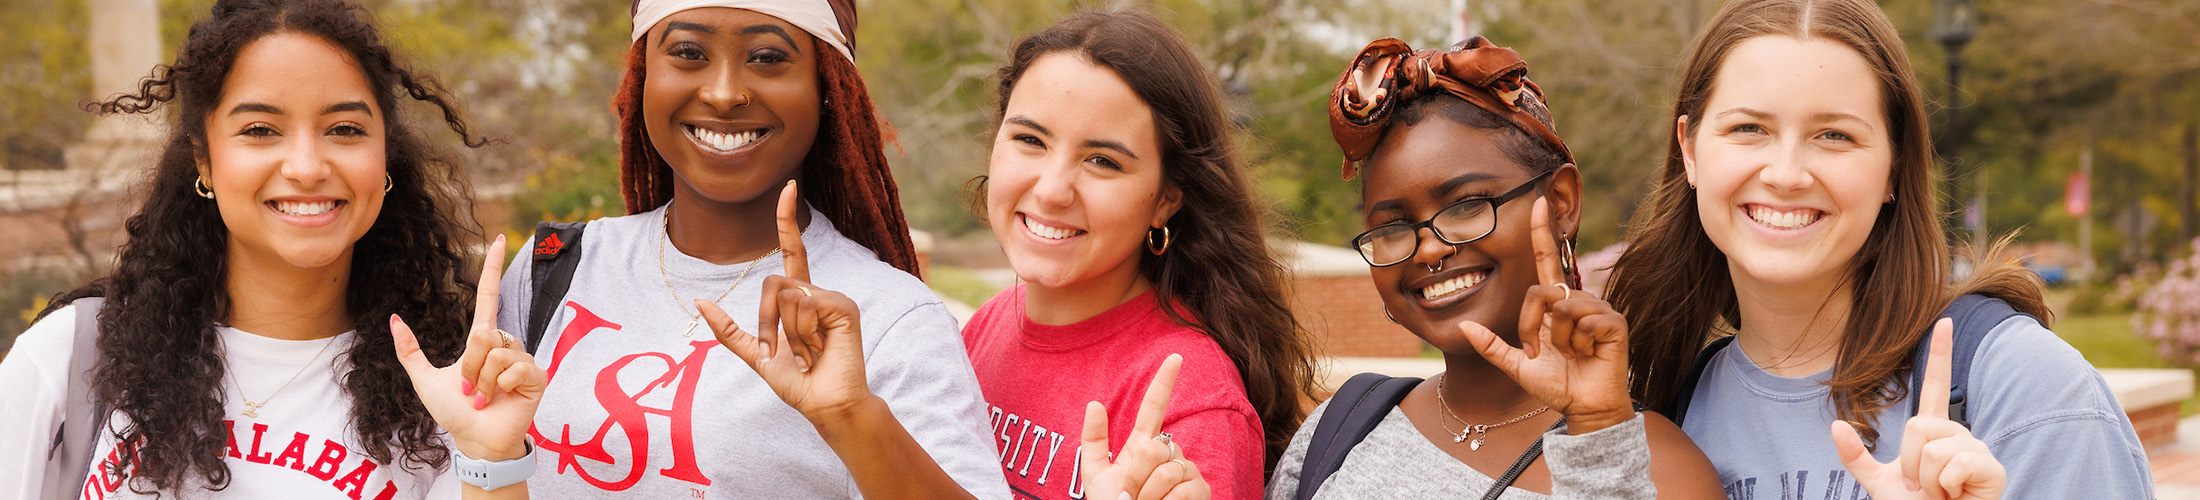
(1354, 411)
(557, 255)
(1695, 375)
(1975, 317)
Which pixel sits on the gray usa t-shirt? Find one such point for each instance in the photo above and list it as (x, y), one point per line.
(636, 410)
(2040, 408)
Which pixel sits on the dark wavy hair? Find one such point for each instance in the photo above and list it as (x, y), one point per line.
(1218, 264)
(160, 360)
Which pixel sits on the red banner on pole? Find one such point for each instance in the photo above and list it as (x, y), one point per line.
(2076, 195)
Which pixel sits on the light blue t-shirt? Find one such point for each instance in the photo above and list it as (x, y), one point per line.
(2044, 412)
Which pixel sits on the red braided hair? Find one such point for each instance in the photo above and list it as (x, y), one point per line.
(845, 175)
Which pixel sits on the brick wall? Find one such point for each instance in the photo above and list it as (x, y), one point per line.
(2157, 425)
(1346, 318)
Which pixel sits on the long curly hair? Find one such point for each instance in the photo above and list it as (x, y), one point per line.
(160, 359)
(845, 175)
(1218, 264)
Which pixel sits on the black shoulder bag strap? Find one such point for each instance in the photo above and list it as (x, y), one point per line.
(1354, 411)
(1535, 450)
(557, 255)
(1695, 375)
(1975, 317)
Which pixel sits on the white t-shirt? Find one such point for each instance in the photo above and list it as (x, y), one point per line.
(300, 446)
(636, 410)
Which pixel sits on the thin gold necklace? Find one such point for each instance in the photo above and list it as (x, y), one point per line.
(1479, 431)
(252, 408)
(696, 317)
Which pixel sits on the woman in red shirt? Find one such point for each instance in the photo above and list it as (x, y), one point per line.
(1117, 193)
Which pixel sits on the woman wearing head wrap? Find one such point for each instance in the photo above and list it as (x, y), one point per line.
(750, 154)
(1471, 203)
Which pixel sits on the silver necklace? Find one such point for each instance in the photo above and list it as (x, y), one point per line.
(1480, 432)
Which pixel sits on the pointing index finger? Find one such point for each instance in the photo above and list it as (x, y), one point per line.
(1547, 270)
(1932, 400)
(796, 258)
(485, 292)
(1156, 403)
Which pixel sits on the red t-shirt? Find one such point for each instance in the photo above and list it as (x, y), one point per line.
(1037, 379)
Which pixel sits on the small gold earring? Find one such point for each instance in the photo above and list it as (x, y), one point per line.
(200, 187)
(1165, 240)
(387, 182)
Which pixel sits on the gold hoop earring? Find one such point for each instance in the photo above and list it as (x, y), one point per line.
(1566, 260)
(388, 182)
(199, 186)
(1165, 240)
(1393, 319)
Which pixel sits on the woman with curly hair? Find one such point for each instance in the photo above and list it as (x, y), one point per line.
(241, 346)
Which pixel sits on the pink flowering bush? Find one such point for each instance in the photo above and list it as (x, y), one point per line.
(2169, 311)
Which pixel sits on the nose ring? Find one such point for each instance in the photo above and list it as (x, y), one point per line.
(1439, 267)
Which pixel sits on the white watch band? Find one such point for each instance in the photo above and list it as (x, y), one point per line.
(492, 475)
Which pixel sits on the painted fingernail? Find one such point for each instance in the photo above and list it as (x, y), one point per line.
(481, 401)
(1125, 496)
(466, 387)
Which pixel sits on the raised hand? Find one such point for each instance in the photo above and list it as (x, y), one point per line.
(1940, 459)
(487, 399)
(810, 350)
(1150, 467)
(1573, 345)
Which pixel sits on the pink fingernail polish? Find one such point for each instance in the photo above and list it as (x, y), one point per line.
(481, 401)
(466, 387)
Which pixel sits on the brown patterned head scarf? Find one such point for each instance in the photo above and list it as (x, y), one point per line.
(1389, 72)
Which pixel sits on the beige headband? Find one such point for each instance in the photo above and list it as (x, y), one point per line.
(814, 16)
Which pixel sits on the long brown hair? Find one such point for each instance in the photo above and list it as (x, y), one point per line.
(1899, 278)
(160, 360)
(845, 175)
(1218, 264)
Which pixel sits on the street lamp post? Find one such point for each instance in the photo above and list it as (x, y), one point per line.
(1954, 23)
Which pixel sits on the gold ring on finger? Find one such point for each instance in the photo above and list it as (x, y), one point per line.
(805, 291)
(506, 337)
(1185, 464)
(1562, 287)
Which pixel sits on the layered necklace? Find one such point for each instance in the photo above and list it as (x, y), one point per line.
(1479, 432)
(695, 318)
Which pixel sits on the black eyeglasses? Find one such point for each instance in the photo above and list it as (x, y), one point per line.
(1461, 223)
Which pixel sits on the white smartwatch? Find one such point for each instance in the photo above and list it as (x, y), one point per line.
(492, 475)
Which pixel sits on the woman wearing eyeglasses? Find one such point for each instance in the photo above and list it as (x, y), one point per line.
(1472, 203)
